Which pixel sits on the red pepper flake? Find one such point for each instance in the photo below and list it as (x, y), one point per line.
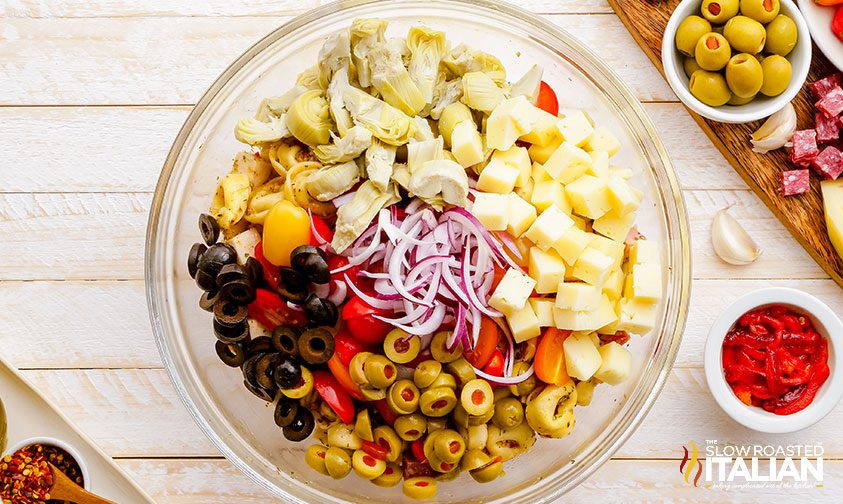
(25, 476)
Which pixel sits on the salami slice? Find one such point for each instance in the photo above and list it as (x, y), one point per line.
(804, 146)
(829, 163)
(796, 182)
(821, 87)
(827, 128)
(832, 103)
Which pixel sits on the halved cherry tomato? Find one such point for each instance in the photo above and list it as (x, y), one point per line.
(340, 372)
(322, 229)
(375, 450)
(334, 395)
(358, 317)
(346, 346)
(499, 273)
(338, 261)
(549, 361)
(547, 99)
(386, 412)
(270, 310)
(271, 272)
(487, 342)
(495, 365)
(418, 450)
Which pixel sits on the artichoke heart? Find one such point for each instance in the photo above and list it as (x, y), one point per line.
(423, 129)
(250, 130)
(309, 79)
(401, 175)
(463, 59)
(441, 177)
(427, 47)
(278, 105)
(393, 81)
(528, 85)
(309, 119)
(379, 160)
(334, 54)
(339, 83)
(365, 34)
(329, 182)
(445, 94)
(419, 153)
(355, 216)
(382, 119)
(351, 145)
(480, 92)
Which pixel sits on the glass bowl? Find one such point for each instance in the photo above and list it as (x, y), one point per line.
(240, 425)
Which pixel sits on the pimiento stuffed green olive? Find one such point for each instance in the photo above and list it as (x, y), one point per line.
(439, 348)
(744, 35)
(449, 446)
(320, 311)
(712, 52)
(355, 368)
(285, 411)
(287, 372)
(301, 427)
(231, 333)
(209, 229)
(401, 347)
(689, 32)
(526, 386)
(372, 393)
(762, 11)
(462, 371)
(509, 412)
(391, 476)
(719, 11)
(777, 72)
(444, 380)
(477, 397)
(230, 313)
(436, 424)
(690, 66)
(488, 472)
(285, 339)
(437, 401)
(710, 88)
(363, 426)
(387, 437)
(782, 35)
(509, 443)
(403, 396)
(316, 346)
(744, 75)
(367, 466)
(474, 459)
(410, 427)
(232, 354)
(193, 256)
(343, 436)
(303, 388)
(315, 458)
(337, 462)
(379, 371)
(420, 487)
(426, 372)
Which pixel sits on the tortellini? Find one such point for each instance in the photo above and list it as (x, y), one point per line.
(235, 196)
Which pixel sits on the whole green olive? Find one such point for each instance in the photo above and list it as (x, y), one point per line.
(762, 11)
(744, 35)
(782, 35)
(337, 462)
(526, 386)
(426, 372)
(689, 31)
(509, 412)
(390, 477)
(367, 466)
(710, 88)
(777, 74)
(712, 52)
(744, 75)
(719, 11)
(690, 66)
(379, 371)
(437, 401)
(315, 458)
(477, 397)
(439, 348)
(410, 427)
(735, 101)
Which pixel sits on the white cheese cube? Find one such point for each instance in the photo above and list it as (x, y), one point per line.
(582, 359)
(577, 296)
(567, 163)
(492, 210)
(605, 314)
(518, 158)
(637, 317)
(621, 196)
(614, 226)
(614, 285)
(524, 324)
(508, 121)
(466, 144)
(644, 252)
(571, 320)
(521, 215)
(512, 292)
(244, 244)
(543, 308)
(549, 227)
(623, 173)
(602, 139)
(581, 222)
(593, 266)
(550, 192)
(526, 190)
(599, 164)
(546, 268)
(589, 196)
(616, 363)
(497, 177)
(544, 128)
(644, 283)
(538, 173)
(572, 243)
(576, 128)
(612, 248)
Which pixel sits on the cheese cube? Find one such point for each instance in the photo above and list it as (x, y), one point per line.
(617, 171)
(525, 191)
(614, 285)
(508, 121)
(576, 128)
(547, 193)
(581, 222)
(567, 163)
(546, 268)
(644, 252)
(518, 158)
(572, 320)
(644, 283)
(521, 215)
(549, 227)
(599, 164)
(637, 317)
(621, 196)
(572, 243)
(497, 177)
(524, 324)
(589, 196)
(538, 173)
(466, 144)
(544, 128)
(492, 210)
(593, 266)
(611, 248)
(512, 292)
(543, 308)
(582, 359)
(577, 296)
(613, 225)
(605, 314)
(616, 363)
(541, 153)
(603, 140)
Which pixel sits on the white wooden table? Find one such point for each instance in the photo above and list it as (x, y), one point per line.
(91, 96)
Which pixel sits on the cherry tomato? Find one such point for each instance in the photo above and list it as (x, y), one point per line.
(358, 317)
(547, 99)
(495, 365)
(286, 227)
(322, 229)
(338, 261)
(498, 276)
(549, 361)
(386, 412)
(340, 372)
(334, 395)
(270, 310)
(375, 450)
(418, 450)
(271, 272)
(346, 346)
(487, 342)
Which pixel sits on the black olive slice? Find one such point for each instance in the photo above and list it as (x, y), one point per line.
(287, 372)
(315, 268)
(320, 311)
(248, 369)
(264, 369)
(231, 333)
(293, 280)
(316, 346)
(241, 291)
(209, 229)
(254, 269)
(217, 256)
(193, 257)
(231, 273)
(230, 313)
(205, 280)
(261, 344)
(301, 427)
(295, 255)
(208, 300)
(285, 339)
(259, 392)
(231, 355)
(285, 411)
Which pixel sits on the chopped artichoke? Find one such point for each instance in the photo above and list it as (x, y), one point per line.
(309, 78)
(365, 34)
(379, 160)
(401, 175)
(309, 119)
(253, 132)
(263, 199)
(352, 144)
(399, 46)
(330, 181)
(278, 105)
(355, 216)
(441, 177)
(392, 80)
(419, 153)
(449, 93)
(235, 190)
(480, 92)
(463, 59)
(529, 84)
(339, 83)
(427, 47)
(382, 119)
(423, 129)
(334, 54)
(256, 167)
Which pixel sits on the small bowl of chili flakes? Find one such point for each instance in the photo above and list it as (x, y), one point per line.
(773, 360)
(33, 454)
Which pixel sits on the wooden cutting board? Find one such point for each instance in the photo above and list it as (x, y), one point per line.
(802, 215)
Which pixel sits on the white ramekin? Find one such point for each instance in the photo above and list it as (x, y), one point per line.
(60, 444)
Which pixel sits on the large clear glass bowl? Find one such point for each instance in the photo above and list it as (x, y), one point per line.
(240, 425)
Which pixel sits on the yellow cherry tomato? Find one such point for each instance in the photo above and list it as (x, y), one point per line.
(286, 227)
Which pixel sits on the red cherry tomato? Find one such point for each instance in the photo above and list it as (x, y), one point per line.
(495, 365)
(375, 450)
(270, 310)
(418, 450)
(487, 343)
(322, 229)
(338, 261)
(346, 346)
(547, 99)
(358, 317)
(334, 395)
(271, 272)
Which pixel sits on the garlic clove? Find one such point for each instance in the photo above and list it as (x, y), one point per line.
(731, 241)
(776, 131)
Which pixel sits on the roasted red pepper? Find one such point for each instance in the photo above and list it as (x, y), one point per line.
(375, 450)
(340, 372)
(271, 311)
(271, 272)
(386, 412)
(837, 23)
(334, 395)
(417, 447)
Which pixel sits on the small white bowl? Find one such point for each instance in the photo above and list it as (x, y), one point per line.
(760, 107)
(86, 476)
(827, 324)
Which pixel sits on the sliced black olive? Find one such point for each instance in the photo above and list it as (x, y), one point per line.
(261, 344)
(301, 427)
(240, 291)
(232, 355)
(231, 333)
(293, 280)
(193, 256)
(217, 256)
(295, 255)
(259, 392)
(316, 346)
(285, 411)
(286, 340)
(264, 371)
(254, 269)
(232, 272)
(205, 280)
(208, 300)
(248, 369)
(315, 269)
(209, 229)
(320, 311)
(230, 313)
(287, 373)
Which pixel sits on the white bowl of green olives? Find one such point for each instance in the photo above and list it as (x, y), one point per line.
(736, 61)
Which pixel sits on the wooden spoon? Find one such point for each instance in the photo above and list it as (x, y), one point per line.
(66, 490)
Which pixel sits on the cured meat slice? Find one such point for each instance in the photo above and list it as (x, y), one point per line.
(796, 182)
(829, 163)
(832, 103)
(827, 128)
(804, 146)
(821, 87)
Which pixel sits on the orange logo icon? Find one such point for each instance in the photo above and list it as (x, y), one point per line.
(689, 463)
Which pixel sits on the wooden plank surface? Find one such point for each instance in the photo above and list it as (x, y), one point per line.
(802, 215)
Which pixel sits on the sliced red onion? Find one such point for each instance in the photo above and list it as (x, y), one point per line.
(339, 292)
(469, 221)
(458, 334)
(294, 306)
(370, 300)
(508, 243)
(319, 239)
(344, 198)
(428, 326)
(502, 380)
(467, 284)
